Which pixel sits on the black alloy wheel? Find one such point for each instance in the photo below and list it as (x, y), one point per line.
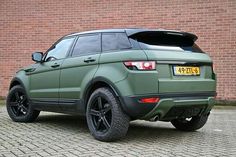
(19, 104)
(101, 114)
(19, 107)
(105, 118)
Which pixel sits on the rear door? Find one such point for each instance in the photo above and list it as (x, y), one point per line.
(78, 70)
(182, 66)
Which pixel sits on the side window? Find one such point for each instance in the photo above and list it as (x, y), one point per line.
(115, 41)
(87, 45)
(59, 50)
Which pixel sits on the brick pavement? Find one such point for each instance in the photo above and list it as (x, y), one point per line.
(64, 135)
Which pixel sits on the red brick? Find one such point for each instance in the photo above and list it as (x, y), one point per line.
(28, 26)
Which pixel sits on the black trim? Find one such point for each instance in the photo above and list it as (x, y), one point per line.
(134, 32)
(45, 104)
(90, 85)
(45, 100)
(179, 94)
(15, 79)
(187, 63)
(72, 106)
(111, 85)
(135, 109)
(94, 81)
(184, 112)
(72, 47)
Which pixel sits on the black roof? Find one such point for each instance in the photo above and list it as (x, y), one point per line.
(133, 31)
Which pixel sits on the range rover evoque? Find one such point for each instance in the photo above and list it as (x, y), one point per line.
(114, 76)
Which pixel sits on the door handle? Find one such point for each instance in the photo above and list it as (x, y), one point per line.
(89, 60)
(55, 65)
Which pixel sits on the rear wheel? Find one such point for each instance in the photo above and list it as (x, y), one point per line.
(190, 124)
(18, 106)
(106, 120)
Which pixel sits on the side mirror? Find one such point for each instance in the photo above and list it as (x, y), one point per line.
(37, 57)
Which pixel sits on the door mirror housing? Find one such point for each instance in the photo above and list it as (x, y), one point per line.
(37, 57)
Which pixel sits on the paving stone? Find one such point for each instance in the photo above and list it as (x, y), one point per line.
(64, 135)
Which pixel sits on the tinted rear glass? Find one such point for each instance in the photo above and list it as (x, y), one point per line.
(161, 41)
(115, 41)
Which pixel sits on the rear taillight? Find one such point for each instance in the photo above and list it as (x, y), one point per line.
(140, 65)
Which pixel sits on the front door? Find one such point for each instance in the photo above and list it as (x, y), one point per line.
(44, 80)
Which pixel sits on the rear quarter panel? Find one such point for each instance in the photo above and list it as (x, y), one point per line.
(111, 64)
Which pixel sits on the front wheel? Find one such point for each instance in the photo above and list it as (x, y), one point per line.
(190, 124)
(18, 106)
(105, 118)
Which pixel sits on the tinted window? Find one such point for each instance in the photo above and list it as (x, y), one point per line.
(59, 50)
(115, 41)
(86, 45)
(160, 41)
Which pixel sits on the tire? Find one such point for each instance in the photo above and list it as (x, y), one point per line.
(18, 106)
(105, 118)
(190, 125)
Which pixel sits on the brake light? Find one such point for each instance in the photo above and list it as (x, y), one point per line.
(140, 65)
(149, 100)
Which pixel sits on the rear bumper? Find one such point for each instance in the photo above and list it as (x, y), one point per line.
(170, 106)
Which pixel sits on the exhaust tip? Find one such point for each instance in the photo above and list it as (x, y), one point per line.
(155, 118)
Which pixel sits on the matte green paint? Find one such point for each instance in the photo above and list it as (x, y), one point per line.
(177, 56)
(44, 81)
(69, 80)
(75, 75)
(25, 79)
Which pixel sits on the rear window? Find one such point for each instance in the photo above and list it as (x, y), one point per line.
(162, 41)
(115, 41)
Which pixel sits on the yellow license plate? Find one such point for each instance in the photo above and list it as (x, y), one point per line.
(186, 70)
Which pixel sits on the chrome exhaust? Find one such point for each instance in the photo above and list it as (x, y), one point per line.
(155, 118)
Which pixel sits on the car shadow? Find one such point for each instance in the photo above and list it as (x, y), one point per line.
(72, 123)
(141, 131)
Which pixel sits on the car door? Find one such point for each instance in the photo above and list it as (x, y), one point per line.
(78, 69)
(44, 80)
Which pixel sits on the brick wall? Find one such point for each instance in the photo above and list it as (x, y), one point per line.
(33, 25)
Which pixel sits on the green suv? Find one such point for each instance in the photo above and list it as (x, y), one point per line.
(113, 76)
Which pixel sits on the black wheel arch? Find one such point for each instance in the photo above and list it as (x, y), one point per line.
(96, 83)
(16, 81)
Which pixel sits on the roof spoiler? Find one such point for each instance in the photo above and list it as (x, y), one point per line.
(136, 32)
